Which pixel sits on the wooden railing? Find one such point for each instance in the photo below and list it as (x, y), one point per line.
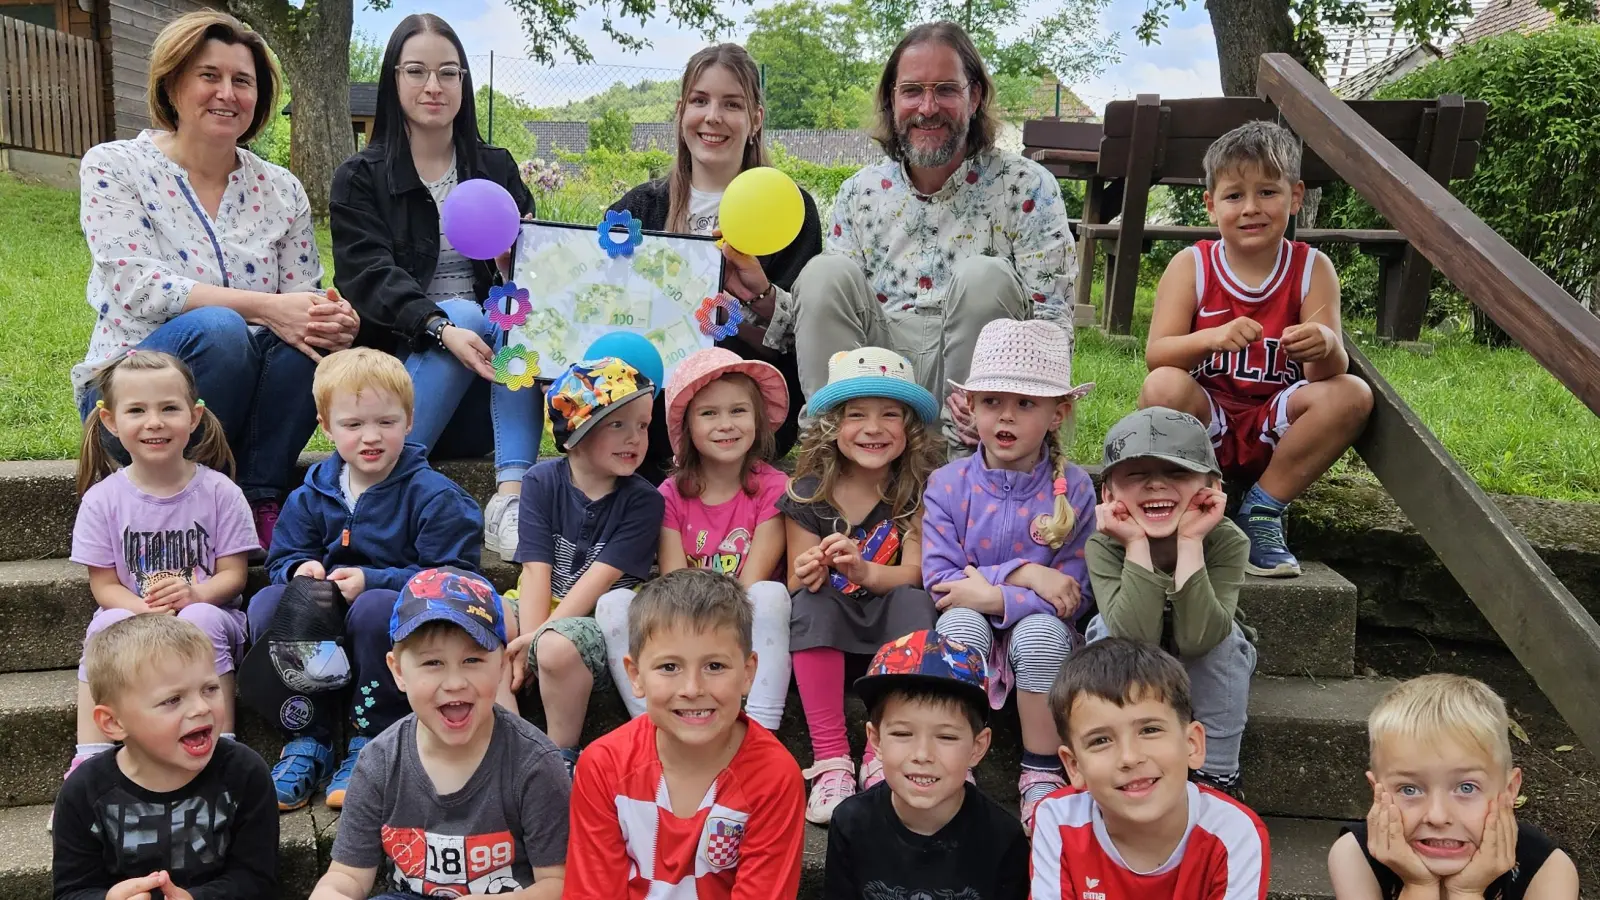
(1550, 632)
(49, 90)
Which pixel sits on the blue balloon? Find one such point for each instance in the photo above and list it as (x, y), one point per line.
(634, 349)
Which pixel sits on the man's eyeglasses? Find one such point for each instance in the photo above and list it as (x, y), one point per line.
(947, 93)
(416, 74)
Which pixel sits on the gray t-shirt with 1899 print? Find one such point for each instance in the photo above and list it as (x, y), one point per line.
(487, 838)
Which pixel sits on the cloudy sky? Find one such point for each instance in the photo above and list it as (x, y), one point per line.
(1184, 64)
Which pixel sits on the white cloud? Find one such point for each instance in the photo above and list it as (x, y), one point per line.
(1184, 64)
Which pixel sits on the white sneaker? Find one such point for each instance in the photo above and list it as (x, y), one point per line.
(500, 525)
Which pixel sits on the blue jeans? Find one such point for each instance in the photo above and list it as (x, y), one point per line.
(258, 387)
(377, 702)
(450, 418)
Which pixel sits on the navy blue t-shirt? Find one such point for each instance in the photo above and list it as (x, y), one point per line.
(559, 525)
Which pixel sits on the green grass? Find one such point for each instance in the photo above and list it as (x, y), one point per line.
(1508, 422)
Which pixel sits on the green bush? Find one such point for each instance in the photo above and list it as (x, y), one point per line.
(1540, 160)
(822, 182)
(612, 131)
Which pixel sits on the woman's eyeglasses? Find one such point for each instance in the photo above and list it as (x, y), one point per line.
(416, 74)
(946, 93)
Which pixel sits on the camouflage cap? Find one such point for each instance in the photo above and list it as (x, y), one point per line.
(1156, 432)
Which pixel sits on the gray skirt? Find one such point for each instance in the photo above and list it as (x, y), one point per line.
(828, 618)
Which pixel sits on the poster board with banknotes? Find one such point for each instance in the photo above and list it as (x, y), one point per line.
(579, 288)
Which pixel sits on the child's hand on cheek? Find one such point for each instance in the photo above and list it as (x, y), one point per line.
(1496, 853)
(351, 582)
(1386, 839)
(1204, 513)
(1113, 518)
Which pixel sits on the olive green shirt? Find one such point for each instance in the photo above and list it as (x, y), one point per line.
(1133, 600)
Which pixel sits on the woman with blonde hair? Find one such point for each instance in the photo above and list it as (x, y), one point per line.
(201, 249)
(720, 125)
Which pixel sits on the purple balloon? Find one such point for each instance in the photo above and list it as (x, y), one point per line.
(480, 219)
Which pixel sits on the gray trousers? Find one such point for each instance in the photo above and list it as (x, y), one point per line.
(835, 309)
(1219, 688)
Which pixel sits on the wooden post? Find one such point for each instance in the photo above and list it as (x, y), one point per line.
(1400, 314)
(1548, 630)
(1122, 279)
(1520, 298)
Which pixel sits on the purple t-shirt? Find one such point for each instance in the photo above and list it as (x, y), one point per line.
(719, 537)
(121, 527)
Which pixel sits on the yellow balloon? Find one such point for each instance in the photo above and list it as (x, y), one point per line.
(762, 211)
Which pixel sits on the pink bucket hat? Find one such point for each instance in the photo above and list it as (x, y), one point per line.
(705, 366)
(1032, 357)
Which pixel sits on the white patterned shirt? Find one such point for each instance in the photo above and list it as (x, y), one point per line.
(996, 204)
(150, 240)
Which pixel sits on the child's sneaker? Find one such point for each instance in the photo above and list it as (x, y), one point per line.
(341, 778)
(569, 756)
(871, 773)
(833, 781)
(500, 524)
(1227, 784)
(305, 763)
(1269, 552)
(1034, 786)
(265, 514)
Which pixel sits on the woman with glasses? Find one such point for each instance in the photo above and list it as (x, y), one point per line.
(418, 297)
(719, 124)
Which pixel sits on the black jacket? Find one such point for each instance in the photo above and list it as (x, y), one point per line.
(386, 238)
(648, 202)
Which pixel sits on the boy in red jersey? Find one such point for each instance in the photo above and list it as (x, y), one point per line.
(692, 799)
(1246, 337)
(1132, 825)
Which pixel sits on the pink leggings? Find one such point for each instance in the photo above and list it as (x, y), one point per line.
(819, 673)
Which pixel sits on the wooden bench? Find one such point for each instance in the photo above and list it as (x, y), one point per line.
(1151, 141)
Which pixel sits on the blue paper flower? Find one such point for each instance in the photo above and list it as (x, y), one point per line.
(609, 242)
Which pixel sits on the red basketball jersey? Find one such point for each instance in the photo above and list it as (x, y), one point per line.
(1263, 368)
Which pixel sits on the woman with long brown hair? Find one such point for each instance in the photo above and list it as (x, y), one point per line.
(720, 132)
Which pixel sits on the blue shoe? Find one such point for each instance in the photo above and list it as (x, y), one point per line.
(1269, 553)
(305, 763)
(341, 778)
(569, 756)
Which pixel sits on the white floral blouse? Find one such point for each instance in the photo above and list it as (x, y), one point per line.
(997, 204)
(150, 240)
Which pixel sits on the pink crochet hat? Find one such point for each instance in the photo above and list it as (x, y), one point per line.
(1032, 357)
(705, 366)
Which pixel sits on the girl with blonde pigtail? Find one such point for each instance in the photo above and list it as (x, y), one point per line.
(1004, 532)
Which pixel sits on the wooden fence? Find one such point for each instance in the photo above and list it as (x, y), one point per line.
(49, 90)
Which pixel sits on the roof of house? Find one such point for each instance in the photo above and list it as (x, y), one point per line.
(363, 100)
(1362, 85)
(1503, 16)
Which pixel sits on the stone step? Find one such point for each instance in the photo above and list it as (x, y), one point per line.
(1299, 855)
(1304, 750)
(42, 496)
(1306, 625)
(45, 607)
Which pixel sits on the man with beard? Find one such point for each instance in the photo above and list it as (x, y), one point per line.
(946, 234)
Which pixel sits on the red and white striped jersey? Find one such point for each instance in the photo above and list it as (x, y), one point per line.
(1262, 368)
(1223, 856)
(745, 841)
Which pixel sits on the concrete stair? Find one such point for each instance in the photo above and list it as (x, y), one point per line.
(1304, 749)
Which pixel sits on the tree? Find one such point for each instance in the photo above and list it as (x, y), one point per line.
(312, 41)
(1069, 44)
(366, 58)
(612, 131)
(511, 116)
(816, 63)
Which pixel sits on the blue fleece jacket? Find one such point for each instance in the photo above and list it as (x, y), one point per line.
(412, 520)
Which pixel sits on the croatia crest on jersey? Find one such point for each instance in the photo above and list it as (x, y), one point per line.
(722, 838)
